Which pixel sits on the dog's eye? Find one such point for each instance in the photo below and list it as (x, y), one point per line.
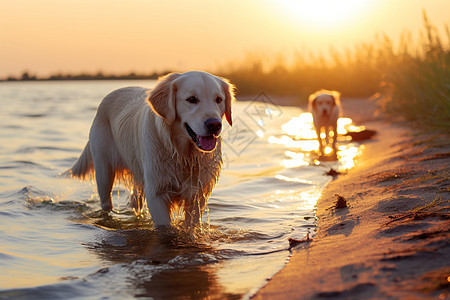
(192, 100)
(218, 100)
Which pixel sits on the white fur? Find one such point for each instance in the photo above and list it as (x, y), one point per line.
(139, 137)
(325, 108)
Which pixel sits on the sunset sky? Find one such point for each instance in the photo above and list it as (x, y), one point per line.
(72, 36)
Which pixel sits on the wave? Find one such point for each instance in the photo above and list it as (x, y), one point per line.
(32, 149)
(35, 115)
(16, 164)
(72, 290)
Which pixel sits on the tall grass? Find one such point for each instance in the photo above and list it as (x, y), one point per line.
(354, 72)
(413, 79)
(417, 85)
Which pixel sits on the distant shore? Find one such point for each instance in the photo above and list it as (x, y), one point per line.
(392, 241)
(85, 76)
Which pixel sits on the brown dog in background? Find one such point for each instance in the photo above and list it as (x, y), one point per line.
(325, 108)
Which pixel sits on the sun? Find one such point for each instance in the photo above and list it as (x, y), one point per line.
(322, 13)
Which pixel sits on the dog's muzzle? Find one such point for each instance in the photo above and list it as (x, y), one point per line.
(325, 113)
(207, 142)
(213, 126)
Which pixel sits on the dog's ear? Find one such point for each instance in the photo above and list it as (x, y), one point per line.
(312, 102)
(336, 98)
(333, 99)
(229, 90)
(162, 99)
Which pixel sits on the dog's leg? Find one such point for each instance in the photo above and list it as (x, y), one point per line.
(158, 207)
(319, 139)
(193, 212)
(137, 200)
(102, 149)
(334, 138)
(105, 180)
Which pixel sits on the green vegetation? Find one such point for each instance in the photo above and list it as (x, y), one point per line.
(437, 201)
(86, 76)
(417, 85)
(354, 73)
(411, 81)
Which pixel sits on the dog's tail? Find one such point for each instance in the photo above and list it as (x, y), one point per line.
(84, 167)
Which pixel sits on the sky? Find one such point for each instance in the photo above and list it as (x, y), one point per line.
(45, 37)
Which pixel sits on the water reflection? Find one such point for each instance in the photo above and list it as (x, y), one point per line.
(267, 194)
(295, 200)
(301, 140)
(147, 266)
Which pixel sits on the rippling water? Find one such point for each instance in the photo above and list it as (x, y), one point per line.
(56, 243)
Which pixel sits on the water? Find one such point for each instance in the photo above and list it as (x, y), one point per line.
(56, 243)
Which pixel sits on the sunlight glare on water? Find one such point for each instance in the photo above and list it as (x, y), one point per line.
(57, 243)
(300, 135)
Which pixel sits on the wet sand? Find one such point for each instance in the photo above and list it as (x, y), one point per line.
(392, 241)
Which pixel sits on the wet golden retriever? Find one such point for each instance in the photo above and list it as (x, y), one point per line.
(165, 144)
(325, 108)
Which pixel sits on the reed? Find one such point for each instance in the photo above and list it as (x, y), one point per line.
(354, 73)
(417, 85)
(413, 79)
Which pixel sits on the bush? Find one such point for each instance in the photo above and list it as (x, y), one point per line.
(417, 86)
(413, 80)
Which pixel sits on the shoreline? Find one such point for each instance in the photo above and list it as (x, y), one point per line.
(393, 239)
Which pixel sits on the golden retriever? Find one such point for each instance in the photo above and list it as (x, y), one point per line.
(165, 144)
(325, 108)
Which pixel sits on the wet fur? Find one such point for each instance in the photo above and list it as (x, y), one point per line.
(137, 138)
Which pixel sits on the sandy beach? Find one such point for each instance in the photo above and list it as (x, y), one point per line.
(392, 241)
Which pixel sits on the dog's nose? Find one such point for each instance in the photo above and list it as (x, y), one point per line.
(213, 126)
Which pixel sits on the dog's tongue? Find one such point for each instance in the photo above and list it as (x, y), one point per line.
(208, 143)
